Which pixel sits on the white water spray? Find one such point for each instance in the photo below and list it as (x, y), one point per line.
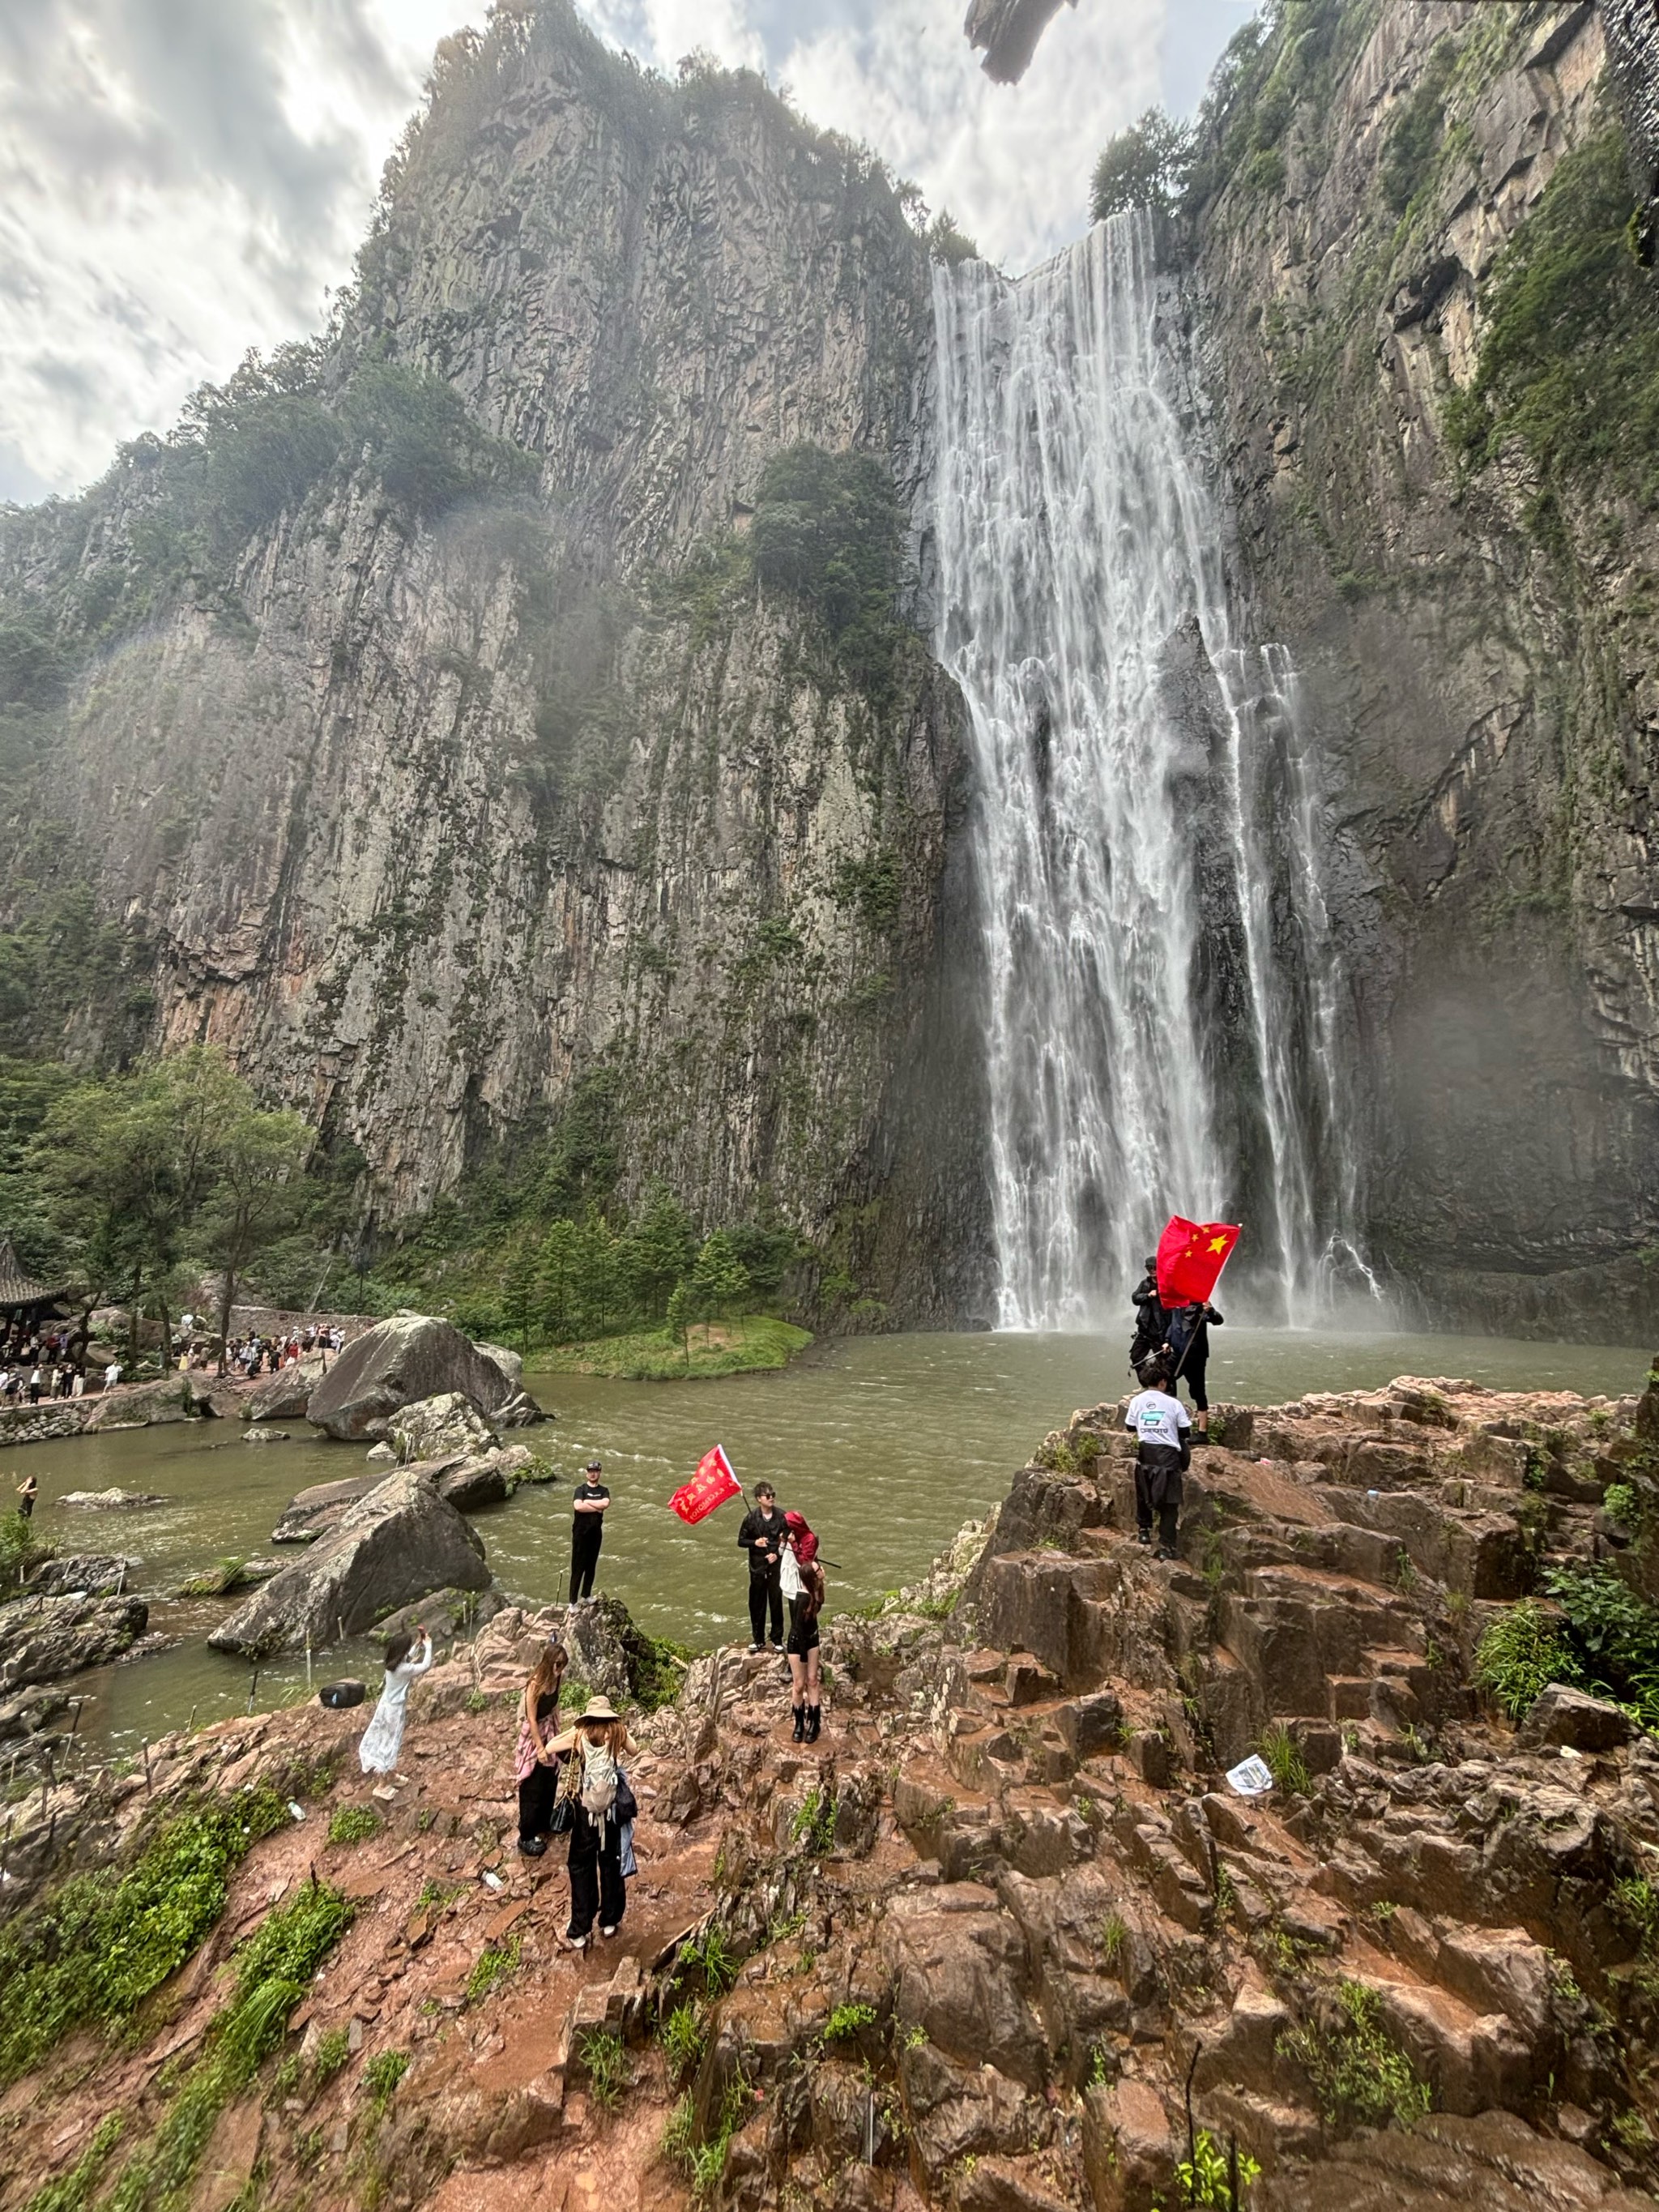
(1163, 1010)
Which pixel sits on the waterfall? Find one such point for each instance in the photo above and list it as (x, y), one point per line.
(1163, 1008)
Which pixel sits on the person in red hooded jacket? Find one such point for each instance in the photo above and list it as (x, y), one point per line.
(803, 1588)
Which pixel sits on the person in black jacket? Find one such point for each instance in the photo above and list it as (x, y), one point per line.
(1189, 1340)
(1152, 1321)
(762, 1536)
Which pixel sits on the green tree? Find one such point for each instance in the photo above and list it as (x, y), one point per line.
(597, 1273)
(257, 1193)
(720, 1278)
(520, 1287)
(662, 1246)
(1145, 166)
(104, 1162)
(556, 1280)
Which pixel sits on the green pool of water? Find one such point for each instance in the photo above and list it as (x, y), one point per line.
(887, 1444)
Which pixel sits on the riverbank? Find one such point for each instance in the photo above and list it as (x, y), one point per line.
(755, 1344)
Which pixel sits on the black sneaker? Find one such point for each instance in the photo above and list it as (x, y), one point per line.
(532, 1846)
(1143, 1535)
(1166, 1551)
(756, 1647)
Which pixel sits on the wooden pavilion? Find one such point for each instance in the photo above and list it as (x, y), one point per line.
(23, 1299)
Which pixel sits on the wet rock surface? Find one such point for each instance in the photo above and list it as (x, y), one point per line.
(390, 1547)
(43, 1638)
(976, 1941)
(398, 1365)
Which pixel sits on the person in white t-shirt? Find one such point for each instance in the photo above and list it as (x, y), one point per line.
(1162, 1429)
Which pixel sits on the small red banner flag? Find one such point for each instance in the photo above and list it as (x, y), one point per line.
(1190, 1256)
(710, 1486)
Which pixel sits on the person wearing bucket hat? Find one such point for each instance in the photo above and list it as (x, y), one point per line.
(601, 1809)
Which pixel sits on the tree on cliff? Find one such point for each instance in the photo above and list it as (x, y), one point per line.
(1145, 166)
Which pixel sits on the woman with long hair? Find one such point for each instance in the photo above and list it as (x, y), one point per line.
(537, 1767)
(407, 1658)
(600, 1804)
(806, 1589)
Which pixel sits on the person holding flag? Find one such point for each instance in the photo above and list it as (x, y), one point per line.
(1190, 1257)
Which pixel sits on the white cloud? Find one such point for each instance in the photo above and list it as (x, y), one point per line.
(1012, 162)
(181, 179)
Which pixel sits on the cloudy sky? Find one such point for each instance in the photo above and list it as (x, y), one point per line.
(180, 179)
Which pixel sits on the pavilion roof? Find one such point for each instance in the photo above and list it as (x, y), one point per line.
(18, 1289)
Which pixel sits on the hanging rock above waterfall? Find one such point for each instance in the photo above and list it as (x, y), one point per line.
(409, 1359)
(1007, 32)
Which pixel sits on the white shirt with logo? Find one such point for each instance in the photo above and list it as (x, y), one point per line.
(1157, 1418)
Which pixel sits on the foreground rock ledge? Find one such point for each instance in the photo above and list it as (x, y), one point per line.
(985, 1927)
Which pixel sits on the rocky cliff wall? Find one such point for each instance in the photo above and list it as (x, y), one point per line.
(1476, 642)
(425, 805)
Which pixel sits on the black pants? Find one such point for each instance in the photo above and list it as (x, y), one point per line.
(1192, 1376)
(597, 1888)
(585, 1541)
(536, 1794)
(1159, 1490)
(766, 1592)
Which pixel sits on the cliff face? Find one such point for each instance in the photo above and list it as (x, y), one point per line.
(1475, 628)
(425, 805)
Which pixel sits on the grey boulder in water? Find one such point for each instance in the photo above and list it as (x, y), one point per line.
(405, 1359)
(397, 1544)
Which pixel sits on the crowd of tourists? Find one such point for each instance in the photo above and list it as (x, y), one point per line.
(571, 1780)
(251, 1354)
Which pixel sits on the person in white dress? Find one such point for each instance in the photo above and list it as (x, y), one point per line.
(407, 1658)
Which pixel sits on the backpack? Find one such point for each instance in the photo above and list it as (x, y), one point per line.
(598, 1790)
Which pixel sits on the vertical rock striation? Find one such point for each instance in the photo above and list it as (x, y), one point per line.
(1475, 626)
(427, 798)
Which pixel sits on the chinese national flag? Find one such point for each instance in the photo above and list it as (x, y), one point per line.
(1190, 1255)
(711, 1485)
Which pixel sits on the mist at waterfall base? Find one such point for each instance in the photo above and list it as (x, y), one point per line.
(1164, 1006)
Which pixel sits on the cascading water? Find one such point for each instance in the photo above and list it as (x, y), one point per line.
(1163, 1016)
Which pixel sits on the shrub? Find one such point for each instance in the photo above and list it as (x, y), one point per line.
(1419, 126)
(1519, 1656)
(847, 2020)
(1360, 2077)
(383, 2073)
(353, 1824)
(333, 2048)
(679, 2136)
(1207, 2178)
(682, 2038)
(493, 1966)
(1113, 1939)
(425, 447)
(608, 2074)
(21, 1549)
(827, 529)
(94, 1950)
(814, 1825)
(710, 1955)
(1283, 1756)
(1570, 362)
(1614, 1631)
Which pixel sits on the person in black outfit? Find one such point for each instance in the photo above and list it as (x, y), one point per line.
(591, 1499)
(762, 1536)
(1190, 1341)
(1152, 1321)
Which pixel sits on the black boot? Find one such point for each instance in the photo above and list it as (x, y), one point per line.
(800, 1722)
(814, 1715)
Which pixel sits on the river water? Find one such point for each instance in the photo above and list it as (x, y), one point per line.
(887, 1444)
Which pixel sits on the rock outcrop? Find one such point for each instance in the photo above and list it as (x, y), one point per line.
(978, 1945)
(404, 1362)
(562, 805)
(440, 1426)
(44, 1638)
(390, 1547)
(1474, 644)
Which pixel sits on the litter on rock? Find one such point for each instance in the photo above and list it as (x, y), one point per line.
(1251, 1778)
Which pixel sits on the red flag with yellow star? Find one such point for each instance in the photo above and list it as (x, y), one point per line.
(1190, 1256)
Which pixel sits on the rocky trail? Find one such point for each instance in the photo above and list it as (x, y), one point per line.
(980, 1946)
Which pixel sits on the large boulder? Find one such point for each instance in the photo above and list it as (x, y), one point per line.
(42, 1638)
(433, 1428)
(284, 1396)
(404, 1360)
(397, 1544)
(311, 1513)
